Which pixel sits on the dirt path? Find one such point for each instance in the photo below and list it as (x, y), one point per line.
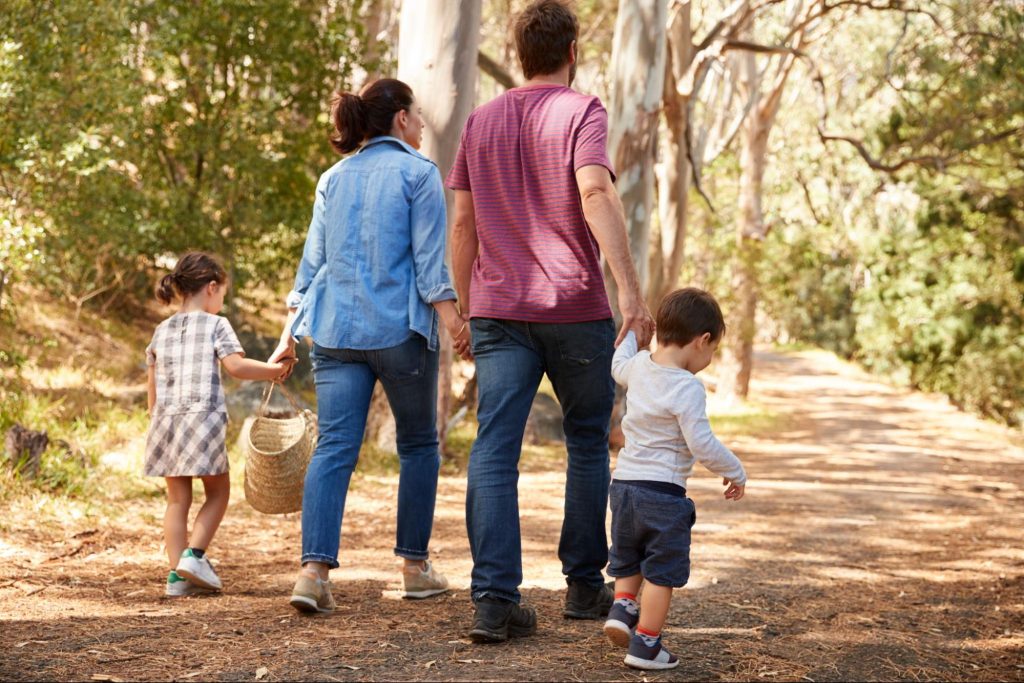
(880, 539)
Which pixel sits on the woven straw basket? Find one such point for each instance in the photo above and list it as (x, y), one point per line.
(277, 452)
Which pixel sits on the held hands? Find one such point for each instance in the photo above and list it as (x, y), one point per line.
(635, 316)
(458, 330)
(284, 356)
(735, 491)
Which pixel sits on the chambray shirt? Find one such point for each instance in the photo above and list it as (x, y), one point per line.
(374, 257)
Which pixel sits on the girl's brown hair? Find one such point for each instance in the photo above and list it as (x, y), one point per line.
(194, 271)
(371, 113)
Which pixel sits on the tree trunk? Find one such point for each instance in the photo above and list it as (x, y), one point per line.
(637, 81)
(379, 22)
(437, 57)
(674, 183)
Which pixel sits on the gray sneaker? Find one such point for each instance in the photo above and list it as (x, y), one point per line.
(312, 595)
(423, 583)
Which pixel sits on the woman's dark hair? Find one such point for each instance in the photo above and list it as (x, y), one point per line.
(686, 314)
(544, 32)
(371, 113)
(194, 271)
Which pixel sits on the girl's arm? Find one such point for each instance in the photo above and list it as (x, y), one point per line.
(151, 387)
(246, 368)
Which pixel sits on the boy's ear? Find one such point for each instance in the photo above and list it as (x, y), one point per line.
(705, 339)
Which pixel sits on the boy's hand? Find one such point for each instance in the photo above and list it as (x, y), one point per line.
(735, 491)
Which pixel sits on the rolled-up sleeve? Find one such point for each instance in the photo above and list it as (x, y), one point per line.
(428, 224)
(313, 254)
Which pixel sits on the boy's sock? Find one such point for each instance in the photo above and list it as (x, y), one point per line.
(198, 553)
(628, 601)
(650, 639)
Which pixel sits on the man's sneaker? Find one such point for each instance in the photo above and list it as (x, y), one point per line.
(649, 658)
(621, 624)
(422, 583)
(178, 587)
(312, 595)
(198, 570)
(583, 601)
(497, 620)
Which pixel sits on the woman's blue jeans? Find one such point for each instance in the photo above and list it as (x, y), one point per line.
(344, 385)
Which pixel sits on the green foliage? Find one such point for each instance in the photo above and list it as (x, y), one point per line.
(135, 128)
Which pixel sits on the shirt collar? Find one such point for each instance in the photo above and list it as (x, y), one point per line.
(394, 141)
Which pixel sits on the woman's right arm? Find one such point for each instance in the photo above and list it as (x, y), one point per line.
(314, 255)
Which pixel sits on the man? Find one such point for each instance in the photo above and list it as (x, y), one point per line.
(534, 209)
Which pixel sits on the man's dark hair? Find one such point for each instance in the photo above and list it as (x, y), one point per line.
(686, 314)
(544, 32)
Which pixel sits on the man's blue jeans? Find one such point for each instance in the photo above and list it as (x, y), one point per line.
(511, 358)
(344, 385)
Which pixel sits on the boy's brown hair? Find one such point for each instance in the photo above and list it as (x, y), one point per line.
(544, 32)
(686, 314)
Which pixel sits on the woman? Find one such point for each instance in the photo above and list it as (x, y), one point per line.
(369, 290)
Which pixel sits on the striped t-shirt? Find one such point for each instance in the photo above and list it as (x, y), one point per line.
(538, 261)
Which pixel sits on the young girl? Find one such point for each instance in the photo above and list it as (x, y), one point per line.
(188, 415)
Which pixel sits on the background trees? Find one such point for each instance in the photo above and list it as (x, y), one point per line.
(845, 174)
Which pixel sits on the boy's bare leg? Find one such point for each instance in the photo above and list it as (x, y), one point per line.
(218, 492)
(654, 604)
(179, 500)
(628, 584)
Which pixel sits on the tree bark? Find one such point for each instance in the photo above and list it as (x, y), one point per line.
(437, 57)
(674, 183)
(637, 83)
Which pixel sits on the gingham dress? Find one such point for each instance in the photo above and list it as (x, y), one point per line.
(187, 433)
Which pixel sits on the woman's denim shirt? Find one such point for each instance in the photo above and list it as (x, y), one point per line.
(374, 257)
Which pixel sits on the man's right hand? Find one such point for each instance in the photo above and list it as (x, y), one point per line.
(637, 317)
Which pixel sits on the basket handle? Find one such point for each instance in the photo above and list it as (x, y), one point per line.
(270, 390)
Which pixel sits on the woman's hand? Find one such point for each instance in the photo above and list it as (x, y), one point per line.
(285, 351)
(457, 327)
(461, 340)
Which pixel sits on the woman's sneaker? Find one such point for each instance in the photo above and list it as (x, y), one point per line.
(179, 587)
(423, 583)
(312, 595)
(649, 657)
(198, 570)
(621, 624)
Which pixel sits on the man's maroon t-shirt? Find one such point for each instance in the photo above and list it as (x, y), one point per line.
(538, 261)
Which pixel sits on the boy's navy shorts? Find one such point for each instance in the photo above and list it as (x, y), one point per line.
(650, 534)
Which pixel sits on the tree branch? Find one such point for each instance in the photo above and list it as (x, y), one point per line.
(495, 71)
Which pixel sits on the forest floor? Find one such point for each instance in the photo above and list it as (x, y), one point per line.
(880, 539)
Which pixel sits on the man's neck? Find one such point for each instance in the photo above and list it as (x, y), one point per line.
(560, 77)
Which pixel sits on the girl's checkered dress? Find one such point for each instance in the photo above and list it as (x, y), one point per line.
(187, 434)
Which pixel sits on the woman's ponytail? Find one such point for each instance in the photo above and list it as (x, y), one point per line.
(165, 289)
(349, 117)
(371, 113)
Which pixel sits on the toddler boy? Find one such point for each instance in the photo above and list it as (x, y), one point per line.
(666, 429)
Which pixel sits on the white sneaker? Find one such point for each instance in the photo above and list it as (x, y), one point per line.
(198, 570)
(179, 587)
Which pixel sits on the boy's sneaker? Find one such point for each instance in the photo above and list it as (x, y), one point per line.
(649, 657)
(621, 624)
(423, 583)
(583, 601)
(497, 620)
(312, 595)
(178, 587)
(198, 570)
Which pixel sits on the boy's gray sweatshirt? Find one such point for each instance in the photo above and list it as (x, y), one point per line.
(666, 424)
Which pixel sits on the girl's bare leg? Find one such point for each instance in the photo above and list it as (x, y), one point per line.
(218, 492)
(179, 500)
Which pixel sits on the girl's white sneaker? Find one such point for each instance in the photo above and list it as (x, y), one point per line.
(198, 570)
(180, 587)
